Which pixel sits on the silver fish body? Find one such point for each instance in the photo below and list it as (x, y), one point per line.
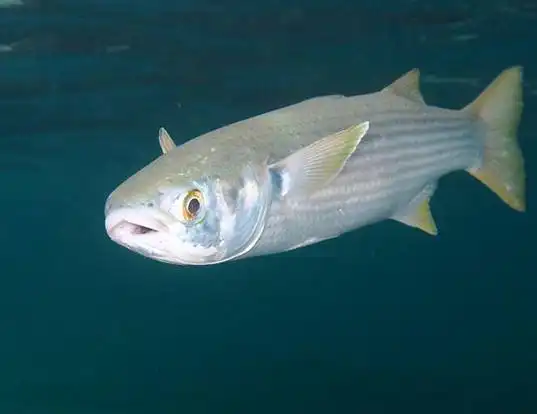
(390, 173)
(409, 146)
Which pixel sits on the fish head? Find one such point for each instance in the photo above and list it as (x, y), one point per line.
(191, 206)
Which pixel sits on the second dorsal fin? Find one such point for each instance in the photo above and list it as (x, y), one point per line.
(407, 86)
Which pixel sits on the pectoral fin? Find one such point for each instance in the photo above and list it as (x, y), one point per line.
(314, 166)
(165, 141)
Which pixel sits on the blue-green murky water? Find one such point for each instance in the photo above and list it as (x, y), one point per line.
(383, 320)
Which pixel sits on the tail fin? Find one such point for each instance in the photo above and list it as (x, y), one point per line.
(499, 107)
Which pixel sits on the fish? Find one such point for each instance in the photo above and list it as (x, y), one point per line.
(315, 170)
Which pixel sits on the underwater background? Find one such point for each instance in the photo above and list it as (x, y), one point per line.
(382, 320)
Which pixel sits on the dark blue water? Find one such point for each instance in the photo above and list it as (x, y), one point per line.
(383, 320)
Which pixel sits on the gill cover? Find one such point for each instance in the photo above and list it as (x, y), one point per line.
(244, 205)
(232, 217)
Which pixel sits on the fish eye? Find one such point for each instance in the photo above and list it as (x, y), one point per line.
(192, 203)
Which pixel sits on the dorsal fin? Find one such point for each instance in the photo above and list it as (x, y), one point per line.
(165, 141)
(407, 86)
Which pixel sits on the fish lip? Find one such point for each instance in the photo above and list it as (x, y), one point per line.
(133, 222)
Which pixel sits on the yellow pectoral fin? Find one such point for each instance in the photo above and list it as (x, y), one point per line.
(314, 166)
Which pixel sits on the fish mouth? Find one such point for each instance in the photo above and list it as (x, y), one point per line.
(125, 223)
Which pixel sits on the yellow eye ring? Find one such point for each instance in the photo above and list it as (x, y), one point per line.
(192, 205)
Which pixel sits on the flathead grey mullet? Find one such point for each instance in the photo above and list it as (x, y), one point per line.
(315, 170)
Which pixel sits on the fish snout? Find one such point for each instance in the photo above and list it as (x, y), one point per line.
(124, 223)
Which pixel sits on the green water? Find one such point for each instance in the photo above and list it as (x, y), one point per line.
(382, 320)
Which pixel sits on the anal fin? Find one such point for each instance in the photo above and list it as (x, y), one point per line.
(418, 214)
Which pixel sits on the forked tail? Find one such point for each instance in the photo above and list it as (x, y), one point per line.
(499, 107)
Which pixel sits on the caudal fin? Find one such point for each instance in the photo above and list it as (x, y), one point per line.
(499, 107)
